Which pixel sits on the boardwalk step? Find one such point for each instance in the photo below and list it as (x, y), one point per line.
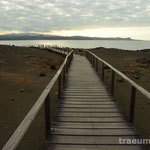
(92, 125)
(87, 103)
(93, 147)
(87, 97)
(66, 114)
(89, 140)
(111, 110)
(86, 94)
(88, 106)
(69, 99)
(93, 132)
(90, 119)
(85, 89)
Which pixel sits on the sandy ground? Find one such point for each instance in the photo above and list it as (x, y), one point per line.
(136, 65)
(21, 84)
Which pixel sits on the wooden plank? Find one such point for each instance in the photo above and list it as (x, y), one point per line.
(93, 81)
(83, 80)
(94, 115)
(87, 106)
(85, 88)
(87, 99)
(92, 125)
(84, 91)
(93, 147)
(89, 110)
(86, 94)
(88, 86)
(81, 85)
(88, 103)
(91, 119)
(89, 140)
(94, 132)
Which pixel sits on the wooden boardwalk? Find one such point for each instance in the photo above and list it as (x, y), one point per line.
(87, 116)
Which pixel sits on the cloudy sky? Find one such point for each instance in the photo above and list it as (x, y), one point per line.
(103, 18)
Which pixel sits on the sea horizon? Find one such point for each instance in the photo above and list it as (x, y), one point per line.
(119, 44)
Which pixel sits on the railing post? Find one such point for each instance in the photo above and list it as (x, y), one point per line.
(88, 56)
(64, 74)
(96, 65)
(103, 73)
(69, 61)
(112, 82)
(47, 116)
(67, 66)
(59, 86)
(93, 61)
(91, 58)
(132, 104)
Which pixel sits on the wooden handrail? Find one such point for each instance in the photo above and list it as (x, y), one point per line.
(17, 136)
(134, 86)
(138, 87)
(62, 51)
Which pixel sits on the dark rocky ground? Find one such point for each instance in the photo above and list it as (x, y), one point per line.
(135, 65)
(24, 73)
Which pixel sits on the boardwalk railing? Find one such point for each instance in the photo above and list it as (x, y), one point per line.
(45, 100)
(55, 49)
(134, 86)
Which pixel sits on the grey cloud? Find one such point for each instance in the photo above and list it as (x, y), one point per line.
(48, 15)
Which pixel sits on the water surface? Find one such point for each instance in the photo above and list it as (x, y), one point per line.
(128, 45)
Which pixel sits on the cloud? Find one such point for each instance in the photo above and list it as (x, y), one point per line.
(49, 15)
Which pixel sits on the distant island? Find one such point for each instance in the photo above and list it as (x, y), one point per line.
(35, 36)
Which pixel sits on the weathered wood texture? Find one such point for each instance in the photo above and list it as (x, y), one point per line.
(88, 118)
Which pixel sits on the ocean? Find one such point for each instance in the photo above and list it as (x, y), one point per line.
(126, 45)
